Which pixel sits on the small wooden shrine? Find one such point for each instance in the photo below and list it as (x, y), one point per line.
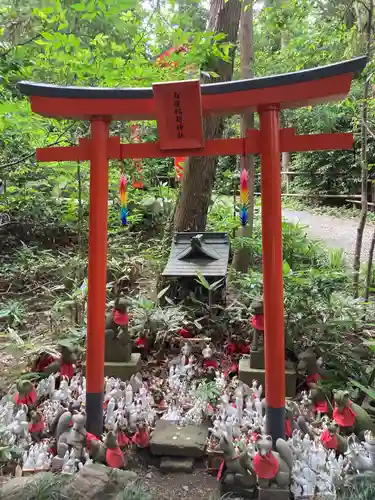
(198, 254)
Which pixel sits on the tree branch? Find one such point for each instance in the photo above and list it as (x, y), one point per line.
(30, 155)
(30, 40)
(371, 132)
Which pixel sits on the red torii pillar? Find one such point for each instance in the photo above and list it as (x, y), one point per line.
(178, 108)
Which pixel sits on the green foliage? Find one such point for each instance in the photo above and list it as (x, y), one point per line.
(12, 312)
(364, 490)
(207, 392)
(45, 486)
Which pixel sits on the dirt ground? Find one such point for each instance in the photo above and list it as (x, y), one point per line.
(196, 486)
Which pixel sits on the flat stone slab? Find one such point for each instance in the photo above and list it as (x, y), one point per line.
(176, 464)
(174, 441)
(123, 370)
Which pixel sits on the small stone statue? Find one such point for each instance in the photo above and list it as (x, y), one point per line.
(36, 427)
(77, 436)
(351, 417)
(208, 358)
(59, 460)
(308, 365)
(238, 472)
(257, 322)
(331, 439)
(114, 456)
(70, 465)
(141, 438)
(63, 366)
(20, 425)
(118, 347)
(26, 394)
(118, 317)
(272, 466)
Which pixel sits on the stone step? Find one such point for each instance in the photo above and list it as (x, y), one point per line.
(176, 464)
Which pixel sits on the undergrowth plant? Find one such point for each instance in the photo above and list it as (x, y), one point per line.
(134, 492)
(364, 490)
(45, 486)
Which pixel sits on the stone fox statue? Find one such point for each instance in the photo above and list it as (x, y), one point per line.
(118, 345)
(273, 468)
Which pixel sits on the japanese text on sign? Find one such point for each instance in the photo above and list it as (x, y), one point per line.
(178, 114)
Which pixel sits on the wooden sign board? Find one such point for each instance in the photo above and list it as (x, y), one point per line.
(178, 110)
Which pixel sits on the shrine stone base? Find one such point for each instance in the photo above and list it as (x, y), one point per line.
(274, 494)
(123, 370)
(247, 374)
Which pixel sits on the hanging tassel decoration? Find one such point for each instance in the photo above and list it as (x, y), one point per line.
(123, 199)
(179, 167)
(244, 197)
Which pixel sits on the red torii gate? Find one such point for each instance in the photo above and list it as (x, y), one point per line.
(178, 108)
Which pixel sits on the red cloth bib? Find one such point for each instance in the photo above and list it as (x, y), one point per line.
(67, 370)
(254, 436)
(141, 342)
(208, 363)
(39, 427)
(220, 471)
(162, 405)
(346, 418)
(257, 322)
(232, 370)
(44, 361)
(288, 428)
(115, 458)
(313, 379)
(266, 467)
(123, 439)
(28, 399)
(244, 349)
(231, 348)
(141, 438)
(329, 442)
(120, 318)
(321, 406)
(89, 438)
(185, 333)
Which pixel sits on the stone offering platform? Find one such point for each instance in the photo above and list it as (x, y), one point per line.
(171, 440)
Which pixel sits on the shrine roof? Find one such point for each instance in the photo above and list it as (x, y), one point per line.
(301, 88)
(198, 253)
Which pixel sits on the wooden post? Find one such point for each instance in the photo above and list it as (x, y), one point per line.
(273, 292)
(97, 275)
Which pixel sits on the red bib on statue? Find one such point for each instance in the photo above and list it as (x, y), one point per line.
(266, 467)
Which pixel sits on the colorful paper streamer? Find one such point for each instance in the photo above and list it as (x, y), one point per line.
(179, 167)
(123, 200)
(244, 197)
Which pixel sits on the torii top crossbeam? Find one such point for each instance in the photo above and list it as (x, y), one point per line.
(290, 90)
(178, 108)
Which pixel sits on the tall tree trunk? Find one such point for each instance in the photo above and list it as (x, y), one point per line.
(285, 155)
(242, 256)
(199, 174)
(364, 165)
